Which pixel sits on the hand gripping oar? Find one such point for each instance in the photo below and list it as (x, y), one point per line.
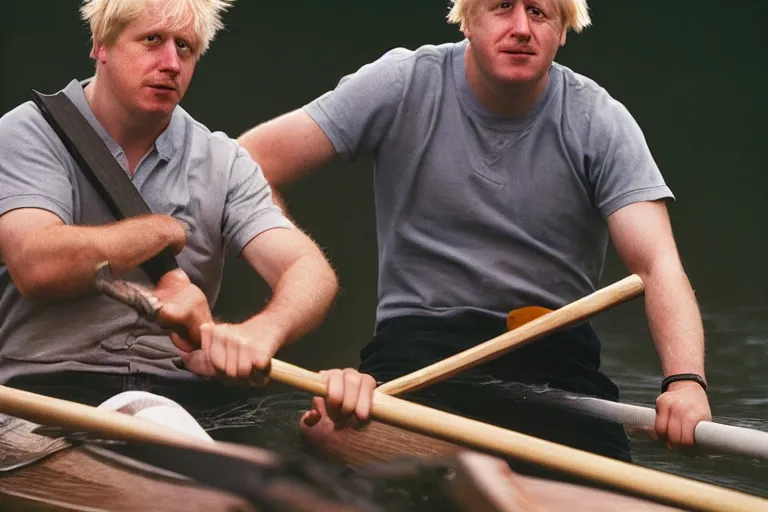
(418, 418)
(540, 326)
(708, 435)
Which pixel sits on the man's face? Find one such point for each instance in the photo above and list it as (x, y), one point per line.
(149, 66)
(515, 42)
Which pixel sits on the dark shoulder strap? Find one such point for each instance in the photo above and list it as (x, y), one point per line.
(105, 173)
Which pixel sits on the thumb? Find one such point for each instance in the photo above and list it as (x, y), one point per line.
(318, 404)
(310, 418)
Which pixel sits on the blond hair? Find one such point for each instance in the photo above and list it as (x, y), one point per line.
(574, 13)
(108, 18)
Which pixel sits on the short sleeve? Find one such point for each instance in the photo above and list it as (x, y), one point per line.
(358, 113)
(249, 209)
(32, 174)
(620, 165)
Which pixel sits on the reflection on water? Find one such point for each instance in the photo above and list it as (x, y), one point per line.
(737, 360)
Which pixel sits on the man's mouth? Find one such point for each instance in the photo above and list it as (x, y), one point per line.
(518, 52)
(163, 87)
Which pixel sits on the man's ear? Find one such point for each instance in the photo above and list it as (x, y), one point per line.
(98, 52)
(562, 36)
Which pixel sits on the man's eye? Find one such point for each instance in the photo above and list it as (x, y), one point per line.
(152, 38)
(535, 11)
(505, 5)
(182, 45)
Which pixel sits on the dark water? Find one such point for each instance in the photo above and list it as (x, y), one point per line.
(694, 76)
(737, 344)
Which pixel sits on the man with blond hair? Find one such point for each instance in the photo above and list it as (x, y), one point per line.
(500, 177)
(57, 335)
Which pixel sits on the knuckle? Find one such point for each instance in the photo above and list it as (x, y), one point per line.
(348, 406)
(334, 397)
(259, 361)
(354, 378)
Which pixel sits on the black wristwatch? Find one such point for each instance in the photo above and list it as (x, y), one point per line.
(683, 376)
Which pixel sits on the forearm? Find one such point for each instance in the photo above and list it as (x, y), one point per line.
(301, 299)
(59, 260)
(674, 319)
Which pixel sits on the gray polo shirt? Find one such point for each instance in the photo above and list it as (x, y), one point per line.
(477, 211)
(204, 179)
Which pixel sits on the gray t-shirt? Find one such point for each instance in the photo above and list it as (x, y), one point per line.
(204, 179)
(477, 211)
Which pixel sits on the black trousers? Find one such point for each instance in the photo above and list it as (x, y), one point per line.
(568, 360)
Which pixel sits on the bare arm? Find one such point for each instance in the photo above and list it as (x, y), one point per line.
(303, 285)
(302, 281)
(642, 235)
(286, 148)
(643, 238)
(47, 258)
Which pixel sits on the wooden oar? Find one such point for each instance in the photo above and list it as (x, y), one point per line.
(76, 417)
(681, 491)
(571, 314)
(647, 482)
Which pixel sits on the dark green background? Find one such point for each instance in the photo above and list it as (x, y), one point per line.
(694, 74)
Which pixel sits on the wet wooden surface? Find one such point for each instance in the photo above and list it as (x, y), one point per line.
(76, 480)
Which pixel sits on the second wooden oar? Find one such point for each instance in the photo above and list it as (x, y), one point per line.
(571, 314)
(654, 484)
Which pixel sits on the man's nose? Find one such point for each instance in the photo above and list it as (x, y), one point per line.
(169, 57)
(521, 27)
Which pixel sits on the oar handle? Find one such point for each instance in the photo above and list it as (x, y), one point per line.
(571, 314)
(294, 376)
(708, 435)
